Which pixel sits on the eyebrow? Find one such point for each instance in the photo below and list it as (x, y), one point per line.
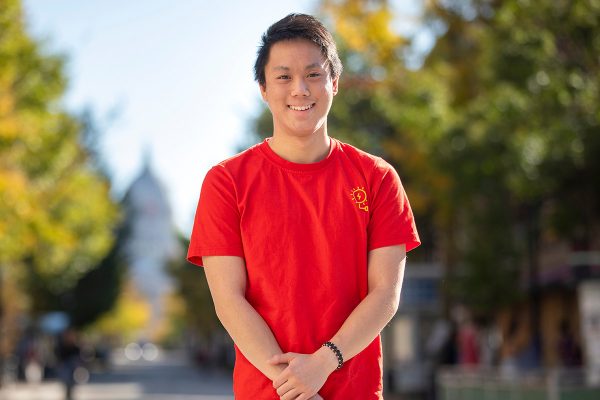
(283, 68)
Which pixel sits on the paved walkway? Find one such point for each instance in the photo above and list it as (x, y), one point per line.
(170, 377)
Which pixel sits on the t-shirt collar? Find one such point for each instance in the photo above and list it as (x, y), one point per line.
(289, 165)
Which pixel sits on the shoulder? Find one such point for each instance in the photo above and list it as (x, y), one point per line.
(240, 158)
(232, 167)
(367, 162)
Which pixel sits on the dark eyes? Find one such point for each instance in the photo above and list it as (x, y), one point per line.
(311, 75)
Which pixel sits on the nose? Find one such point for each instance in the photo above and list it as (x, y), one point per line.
(300, 88)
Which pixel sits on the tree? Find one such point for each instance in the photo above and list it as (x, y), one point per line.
(525, 80)
(498, 124)
(129, 316)
(192, 287)
(56, 215)
(98, 290)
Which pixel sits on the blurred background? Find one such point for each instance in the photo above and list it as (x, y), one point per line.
(112, 112)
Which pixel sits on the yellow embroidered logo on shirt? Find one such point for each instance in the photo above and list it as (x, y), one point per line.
(360, 198)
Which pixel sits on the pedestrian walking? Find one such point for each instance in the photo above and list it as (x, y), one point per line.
(68, 356)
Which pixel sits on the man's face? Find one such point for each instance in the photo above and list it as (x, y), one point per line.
(299, 89)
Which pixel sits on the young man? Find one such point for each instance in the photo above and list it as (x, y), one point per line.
(303, 238)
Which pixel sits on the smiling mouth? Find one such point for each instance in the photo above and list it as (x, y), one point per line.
(301, 108)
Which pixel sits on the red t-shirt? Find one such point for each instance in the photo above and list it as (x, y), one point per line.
(304, 231)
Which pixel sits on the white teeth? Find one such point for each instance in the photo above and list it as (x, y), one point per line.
(301, 108)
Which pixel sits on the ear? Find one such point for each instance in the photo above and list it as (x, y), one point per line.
(263, 91)
(334, 85)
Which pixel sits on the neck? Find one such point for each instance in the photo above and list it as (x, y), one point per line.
(301, 150)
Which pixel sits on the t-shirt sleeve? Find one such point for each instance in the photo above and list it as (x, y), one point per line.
(216, 230)
(391, 218)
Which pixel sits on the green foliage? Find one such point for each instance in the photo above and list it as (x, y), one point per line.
(500, 121)
(56, 215)
(192, 287)
(127, 318)
(98, 290)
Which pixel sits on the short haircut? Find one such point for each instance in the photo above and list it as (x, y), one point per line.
(297, 26)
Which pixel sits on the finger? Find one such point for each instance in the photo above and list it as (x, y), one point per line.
(284, 389)
(274, 360)
(291, 394)
(285, 357)
(281, 378)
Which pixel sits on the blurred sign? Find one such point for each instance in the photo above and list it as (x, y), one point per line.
(589, 303)
(54, 322)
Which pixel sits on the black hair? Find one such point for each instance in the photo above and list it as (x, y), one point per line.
(297, 26)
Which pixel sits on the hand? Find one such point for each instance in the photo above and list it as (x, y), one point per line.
(305, 374)
(316, 397)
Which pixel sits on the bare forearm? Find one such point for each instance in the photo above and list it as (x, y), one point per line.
(386, 273)
(251, 334)
(366, 322)
(308, 372)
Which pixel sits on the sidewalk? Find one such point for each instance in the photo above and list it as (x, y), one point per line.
(113, 391)
(121, 391)
(23, 391)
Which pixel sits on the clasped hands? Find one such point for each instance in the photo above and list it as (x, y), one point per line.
(304, 375)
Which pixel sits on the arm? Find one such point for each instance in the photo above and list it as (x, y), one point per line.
(386, 273)
(226, 276)
(307, 373)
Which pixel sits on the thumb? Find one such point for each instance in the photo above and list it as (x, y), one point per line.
(284, 358)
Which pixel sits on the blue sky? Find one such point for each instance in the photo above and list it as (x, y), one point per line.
(174, 77)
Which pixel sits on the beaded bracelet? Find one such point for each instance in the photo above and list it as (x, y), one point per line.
(337, 352)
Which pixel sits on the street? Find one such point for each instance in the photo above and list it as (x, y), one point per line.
(169, 377)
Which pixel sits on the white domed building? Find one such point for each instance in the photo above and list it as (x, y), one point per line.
(151, 242)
